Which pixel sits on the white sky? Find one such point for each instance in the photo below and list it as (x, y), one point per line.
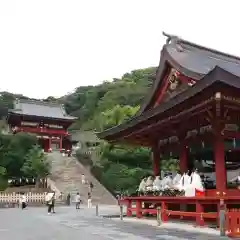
(50, 47)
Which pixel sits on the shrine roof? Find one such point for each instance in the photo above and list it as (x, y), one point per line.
(216, 76)
(192, 60)
(40, 109)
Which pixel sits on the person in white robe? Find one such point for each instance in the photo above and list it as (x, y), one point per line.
(149, 183)
(166, 182)
(157, 184)
(183, 182)
(236, 179)
(142, 185)
(195, 184)
(176, 179)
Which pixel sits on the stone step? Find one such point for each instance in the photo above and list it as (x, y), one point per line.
(66, 173)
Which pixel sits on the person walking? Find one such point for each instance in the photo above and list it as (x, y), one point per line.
(91, 187)
(50, 198)
(83, 179)
(78, 200)
(89, 200)
(53, 202)
(23, 201)
(68, 199)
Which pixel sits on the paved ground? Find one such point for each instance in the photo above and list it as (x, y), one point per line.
(67, 224)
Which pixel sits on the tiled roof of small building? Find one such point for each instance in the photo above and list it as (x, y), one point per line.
(41, 109)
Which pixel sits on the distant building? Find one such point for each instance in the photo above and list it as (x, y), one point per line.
(48, 121)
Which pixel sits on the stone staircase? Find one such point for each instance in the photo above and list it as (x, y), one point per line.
(66, 174)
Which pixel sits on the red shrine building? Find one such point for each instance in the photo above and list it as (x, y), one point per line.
(48, 121)
(192, 113)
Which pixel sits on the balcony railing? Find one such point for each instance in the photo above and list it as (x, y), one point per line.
(42, 130)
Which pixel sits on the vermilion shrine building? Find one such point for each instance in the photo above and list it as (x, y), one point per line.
(193, 106)
(48, 121)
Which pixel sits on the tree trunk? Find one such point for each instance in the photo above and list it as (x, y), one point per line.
(37, 183)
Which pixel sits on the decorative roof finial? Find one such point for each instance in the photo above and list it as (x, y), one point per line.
(170, 38)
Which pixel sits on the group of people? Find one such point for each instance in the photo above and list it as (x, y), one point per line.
(51, 197)
(186, 182)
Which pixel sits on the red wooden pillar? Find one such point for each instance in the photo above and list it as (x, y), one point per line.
(49, 143)
(129, 208)
(199, 211)
(183, 159)
(156, 160)
(220, 169)
(164, 211)
(138, 208)
(60, 144)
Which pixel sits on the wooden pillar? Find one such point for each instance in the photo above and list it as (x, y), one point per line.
(183, 159)
(219, 157)
(156, 160)
(199, 211)
(129, 208)
(60, 144)
(164, 207)
(49, 143)
(138, 208)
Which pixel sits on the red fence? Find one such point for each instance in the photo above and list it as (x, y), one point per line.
(200, 209)
(233, 223)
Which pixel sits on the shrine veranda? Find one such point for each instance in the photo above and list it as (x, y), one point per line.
(192, 110)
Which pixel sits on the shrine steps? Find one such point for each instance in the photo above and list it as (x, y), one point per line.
(66, 174)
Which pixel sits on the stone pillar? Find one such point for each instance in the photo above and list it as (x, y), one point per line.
(220, 170)
(156, 160)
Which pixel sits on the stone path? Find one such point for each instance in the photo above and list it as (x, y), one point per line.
(35, 224)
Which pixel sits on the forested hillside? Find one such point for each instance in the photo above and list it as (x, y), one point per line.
(103, 106)
(89, 102)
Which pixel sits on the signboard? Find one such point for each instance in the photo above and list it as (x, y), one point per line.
(53, 126)
(35, 124)
(31, 124)
(191, 133)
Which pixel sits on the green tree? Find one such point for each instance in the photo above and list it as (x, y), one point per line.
(36, 164)
(13, 149)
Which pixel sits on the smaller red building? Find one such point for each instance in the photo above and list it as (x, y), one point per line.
(48, 121)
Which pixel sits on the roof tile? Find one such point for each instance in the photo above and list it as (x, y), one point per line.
(41, 109)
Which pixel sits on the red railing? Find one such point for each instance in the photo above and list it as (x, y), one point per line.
(200, 210)
(43, 131)
(233, 223)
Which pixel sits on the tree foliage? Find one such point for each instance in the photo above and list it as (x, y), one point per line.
(36, 164)
(13, 149)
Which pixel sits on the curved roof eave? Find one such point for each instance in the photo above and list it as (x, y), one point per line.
(192, 60)
(167, 59)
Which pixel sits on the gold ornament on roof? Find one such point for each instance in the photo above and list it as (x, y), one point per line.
(173, 80)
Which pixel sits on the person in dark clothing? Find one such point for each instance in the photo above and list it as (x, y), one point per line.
(68, 199)
(91, 187)
(53, 203)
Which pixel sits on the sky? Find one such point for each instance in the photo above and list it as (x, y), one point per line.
(50, 47)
